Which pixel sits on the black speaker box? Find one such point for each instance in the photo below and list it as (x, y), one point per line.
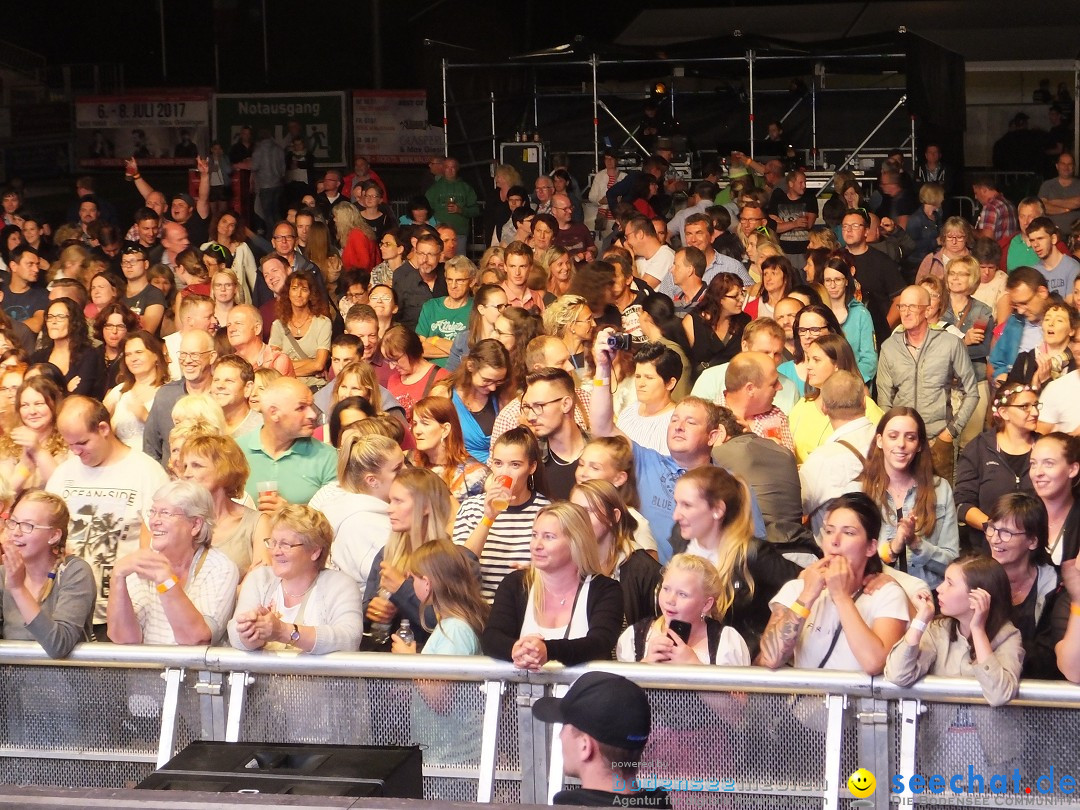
(304, 770)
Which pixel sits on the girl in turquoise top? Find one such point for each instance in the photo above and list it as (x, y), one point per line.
(839, 280)
(444, 577)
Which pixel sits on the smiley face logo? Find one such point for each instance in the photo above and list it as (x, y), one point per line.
(861, 783)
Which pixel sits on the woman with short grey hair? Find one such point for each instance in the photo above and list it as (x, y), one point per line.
(179, 590)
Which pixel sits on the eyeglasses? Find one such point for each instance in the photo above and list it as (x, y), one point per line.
(57, 317)
(283, 238)
(991, 531)
(853, 226)
(132, 263)
(738, 296)
(955, 237)
(1026, 406)
(499, 307)
(751, 219)
(812, 331)
(186, 356)
(116, 327)
(164, 514)
(911, 307)
(376, 299)
(24, 526)
(834, 282)
(537, 408)
(385, 244)
(274, 545)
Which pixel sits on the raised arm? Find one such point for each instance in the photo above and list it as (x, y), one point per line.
(601, 407)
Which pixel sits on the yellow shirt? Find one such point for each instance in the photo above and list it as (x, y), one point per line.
(810, 427)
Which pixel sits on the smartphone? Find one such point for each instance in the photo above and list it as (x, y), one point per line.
(681, 629)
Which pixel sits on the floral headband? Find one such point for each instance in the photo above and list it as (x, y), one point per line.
(1010, 391)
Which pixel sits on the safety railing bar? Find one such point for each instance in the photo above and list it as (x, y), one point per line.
(128, 656)
(743, 679)
(95, 755)
(836, 705)
(364, 665)
(1051, 694)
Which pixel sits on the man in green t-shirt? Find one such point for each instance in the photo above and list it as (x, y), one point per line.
(443, 319)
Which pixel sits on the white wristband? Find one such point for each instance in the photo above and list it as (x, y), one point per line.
(918, 624)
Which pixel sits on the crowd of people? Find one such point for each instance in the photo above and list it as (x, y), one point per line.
(730, 434)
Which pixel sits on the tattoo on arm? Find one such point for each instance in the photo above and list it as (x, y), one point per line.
(778, 640)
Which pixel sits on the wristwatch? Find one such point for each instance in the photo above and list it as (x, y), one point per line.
(295, 635)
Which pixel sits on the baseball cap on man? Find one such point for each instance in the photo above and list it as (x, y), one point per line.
(184, 198)
(607, 707)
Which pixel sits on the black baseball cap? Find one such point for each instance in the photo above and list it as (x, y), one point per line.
(183, 198)
(607, 707)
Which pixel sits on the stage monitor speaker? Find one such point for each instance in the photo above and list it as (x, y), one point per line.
(527, 157)
(306, 770)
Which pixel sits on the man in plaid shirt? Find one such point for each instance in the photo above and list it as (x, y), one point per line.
(998, 219)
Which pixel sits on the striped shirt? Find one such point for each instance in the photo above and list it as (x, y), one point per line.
(507, 546)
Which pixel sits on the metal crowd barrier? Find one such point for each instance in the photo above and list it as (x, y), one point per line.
(722, 737)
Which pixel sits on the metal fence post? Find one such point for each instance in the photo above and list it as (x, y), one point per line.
(169, 708)
(238, 684)
(835, 704)
(873, 745)
(485, 788)
(533, 746)
(211, 705)
(909, 732)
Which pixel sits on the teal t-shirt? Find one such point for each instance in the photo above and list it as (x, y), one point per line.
(438, 320)
(300, 473)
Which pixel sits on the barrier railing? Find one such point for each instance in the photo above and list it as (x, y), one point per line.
(722, 737)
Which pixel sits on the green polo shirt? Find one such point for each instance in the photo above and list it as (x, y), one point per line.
(299, 472)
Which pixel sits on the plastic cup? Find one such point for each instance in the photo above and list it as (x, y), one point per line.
(267, 487)
(501, 504)
(980, 324)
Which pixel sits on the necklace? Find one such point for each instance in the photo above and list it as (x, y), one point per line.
(297, 595)
(297, 329)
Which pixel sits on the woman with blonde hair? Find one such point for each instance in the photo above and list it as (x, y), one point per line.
(295, 602)
(440, 447)
(559, 608)
(263, 378)
(492, 261)
(218, 464)
(572, 321)
(356, 238)
(689, 630)
(637, 571)
(32, 450)
(560, 270)
(48, 595)
(227, 231)
(225, 287)
(444, 578)
(713, 516)
(419, 511)
(356, 504)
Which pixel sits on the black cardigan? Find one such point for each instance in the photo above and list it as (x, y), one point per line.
(639, 579)
(604, 608)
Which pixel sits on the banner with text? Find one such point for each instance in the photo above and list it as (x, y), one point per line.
(167, 129)
(319, 118)
(391, 126)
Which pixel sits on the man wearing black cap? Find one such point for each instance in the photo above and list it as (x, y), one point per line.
(606, 722)
(193, 214)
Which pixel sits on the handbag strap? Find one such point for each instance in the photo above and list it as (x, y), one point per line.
(293, 341)
(836, 635)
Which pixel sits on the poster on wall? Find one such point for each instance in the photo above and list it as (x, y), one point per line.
(391, 126)
(158, 129)
(319, 118)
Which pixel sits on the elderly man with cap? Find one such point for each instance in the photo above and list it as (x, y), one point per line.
(605, 724)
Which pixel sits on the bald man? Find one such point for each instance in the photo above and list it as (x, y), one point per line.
(750, 386)
(196, 356)
(283, 452)
(918, 367)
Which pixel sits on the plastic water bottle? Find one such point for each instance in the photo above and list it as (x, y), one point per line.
(405, 632)
(380, 631)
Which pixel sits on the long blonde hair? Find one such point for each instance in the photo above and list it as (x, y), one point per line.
(716, 485)
(575, 524)
(711, 583)
(455, 590)
(430, 517)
